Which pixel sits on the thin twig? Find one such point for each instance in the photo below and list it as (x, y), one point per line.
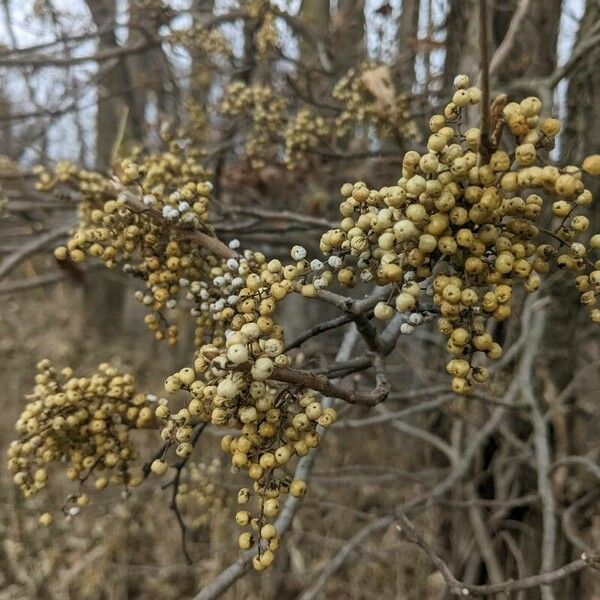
(38, 243)
(318, 329)
(314, 591)
(485, 144)
(543, 461)
(458, 588)
(504, 48)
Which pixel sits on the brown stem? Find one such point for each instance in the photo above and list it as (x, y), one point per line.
(211, 243)
(484, 66)
(459, 588)
(320, 383)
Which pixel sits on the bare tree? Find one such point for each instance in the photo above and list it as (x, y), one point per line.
(379, 291)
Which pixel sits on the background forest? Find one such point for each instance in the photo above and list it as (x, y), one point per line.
(280, 103)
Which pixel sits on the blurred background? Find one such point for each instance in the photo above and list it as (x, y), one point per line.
(91, 80)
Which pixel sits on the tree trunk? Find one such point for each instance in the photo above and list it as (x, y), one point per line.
(104, 297)
(200, 77)
(349, 34)
(533, 53)
(114, 90)
(462, 43)
(149, 71)
(315, 15)
(407, 38)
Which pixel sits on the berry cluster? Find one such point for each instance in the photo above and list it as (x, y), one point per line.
(266, 110)
(266, 37)
(83, 421)
(453, 238)
(465, 231)
(228, 386)
(199, 493)
(199, 39)
(367, 95)
(119, 228)
(304, 132)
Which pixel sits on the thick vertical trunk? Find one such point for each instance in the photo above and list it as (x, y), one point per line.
(349, 46)
(456, 25)
(533, 53)
(104, 297)
(149, 71)
(315, 15)
(407, 38)
(114, 91)
(462, 55)
(200, 77)
(6, 135)
(462, 38)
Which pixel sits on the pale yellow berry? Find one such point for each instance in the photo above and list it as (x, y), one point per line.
(298, 488)
(246, 540)
(159, 467)
(46, 519)
(591, 164)
(383, 311)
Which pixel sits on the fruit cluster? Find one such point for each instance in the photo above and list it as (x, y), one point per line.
(200, 39)
(368, 96)
(200, 494)
(266, 111)
(266, 37)
(126, 230)
(365, 95)
(465, 231)
(455, 236)
(84, 422)
(304, 132)
(229, 387)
